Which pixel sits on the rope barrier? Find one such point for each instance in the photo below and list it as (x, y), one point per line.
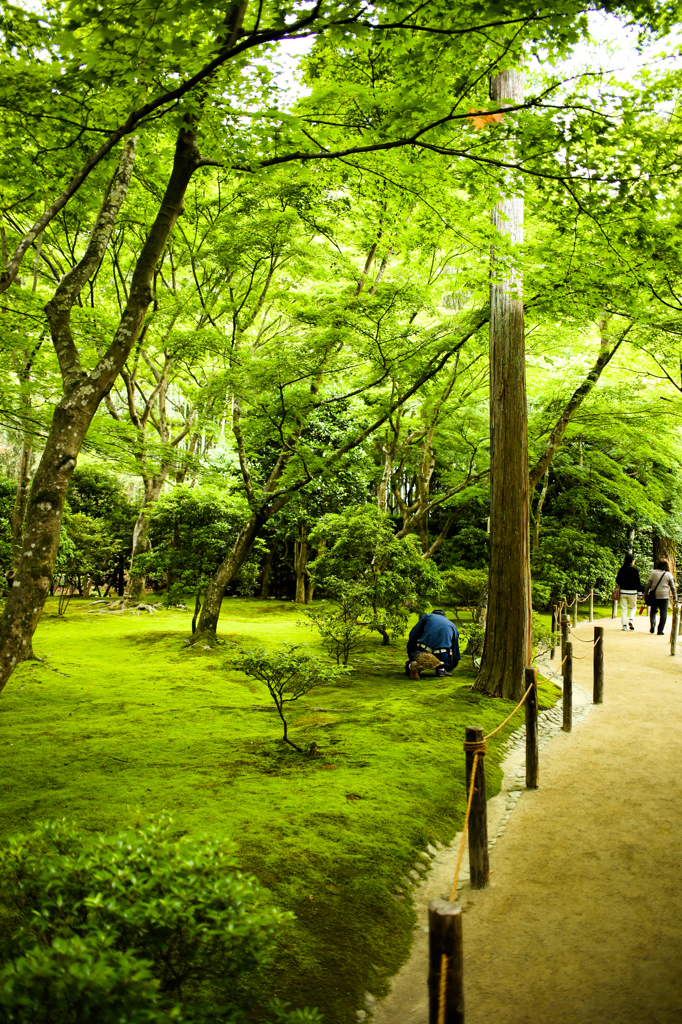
(581, 657)
(507, 719)
(548, 679)
(582, 639)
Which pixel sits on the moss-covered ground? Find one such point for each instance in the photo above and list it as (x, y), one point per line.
(124, 720)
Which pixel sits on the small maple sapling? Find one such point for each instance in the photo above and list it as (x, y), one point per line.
(289, 673)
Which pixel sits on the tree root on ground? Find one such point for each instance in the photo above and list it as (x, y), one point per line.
(206, 640)
(123, 605)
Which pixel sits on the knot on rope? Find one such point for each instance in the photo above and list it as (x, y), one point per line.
(475, 747)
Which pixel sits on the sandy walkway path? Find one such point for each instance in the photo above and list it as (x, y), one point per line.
(582, 923)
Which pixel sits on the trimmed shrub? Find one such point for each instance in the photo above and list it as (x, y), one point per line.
(138, 927)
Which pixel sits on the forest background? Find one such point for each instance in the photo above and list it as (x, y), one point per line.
(317, 334)
(242, 317)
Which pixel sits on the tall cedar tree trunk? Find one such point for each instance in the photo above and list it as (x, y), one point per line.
(83, 392)
(508, 637)
(664, 547)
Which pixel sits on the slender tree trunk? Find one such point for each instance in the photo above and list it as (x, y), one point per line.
(300, 563)
(267, 574)
(538, 511)
(210, 612)
(385, 481)
(152, 489)
(507, 649)
(18, 515)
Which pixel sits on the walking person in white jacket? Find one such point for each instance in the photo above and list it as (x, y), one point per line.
(658, 589)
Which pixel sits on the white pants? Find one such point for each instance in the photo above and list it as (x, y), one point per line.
(627, 602)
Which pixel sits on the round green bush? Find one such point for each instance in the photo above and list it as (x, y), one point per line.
(141, 927)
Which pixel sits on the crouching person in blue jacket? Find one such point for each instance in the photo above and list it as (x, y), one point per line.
(437, 635)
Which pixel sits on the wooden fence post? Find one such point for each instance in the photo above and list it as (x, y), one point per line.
(445, 939)
(592, 605)
(564, 635)
(598, 692)
(479, 868)
(575, 611)
(532, 762)
(555, 629)
(675, 628)
(568, 689)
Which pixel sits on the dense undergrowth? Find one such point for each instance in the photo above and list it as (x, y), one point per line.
(123, 721)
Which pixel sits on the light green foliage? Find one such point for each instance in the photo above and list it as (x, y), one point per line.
(543, 638)
(191, 529)
(472, 638)
(541, 594)
(290, 672)
(144, 918)
(137, 720)
(464, 588)
(86, 548)
(98, 493)
(470, 547)
(570, 561)
(390, 578)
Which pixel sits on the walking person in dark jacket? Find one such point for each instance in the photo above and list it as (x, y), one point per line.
(436, 634)
(630, 586)
(658, 587)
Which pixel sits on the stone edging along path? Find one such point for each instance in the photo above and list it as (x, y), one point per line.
(431, 877)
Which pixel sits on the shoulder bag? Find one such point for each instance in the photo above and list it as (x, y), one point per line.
(650, 595)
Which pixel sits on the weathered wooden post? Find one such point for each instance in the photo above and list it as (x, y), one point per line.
(614, 609)
(532, 760)
(675, 628)
(592, 605)
(555, 629)
(445, 939)
(568, 689)
(598, 692)
(575, 611)
(479, 868)
(564, 635)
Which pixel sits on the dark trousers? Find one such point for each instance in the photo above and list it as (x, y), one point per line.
(659, 605)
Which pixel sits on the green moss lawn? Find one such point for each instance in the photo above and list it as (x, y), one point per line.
(124, 721)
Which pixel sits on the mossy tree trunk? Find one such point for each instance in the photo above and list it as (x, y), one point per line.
(83, 392)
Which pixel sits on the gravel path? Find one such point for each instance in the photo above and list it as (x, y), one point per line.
(582, 921)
